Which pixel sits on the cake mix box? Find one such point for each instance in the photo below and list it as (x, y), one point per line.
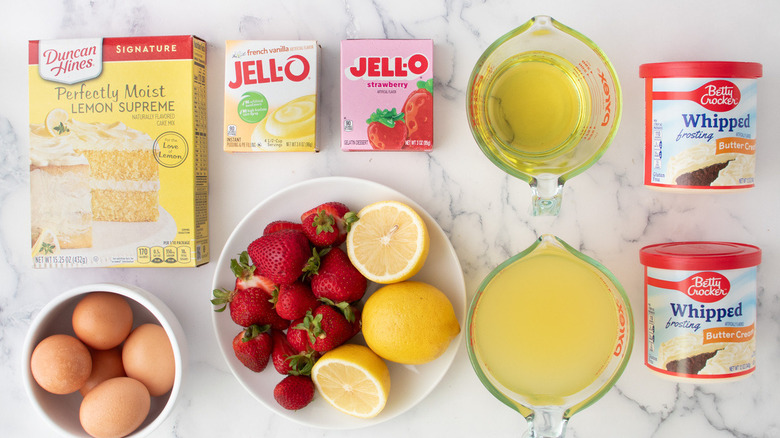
(387, 95)
(118, 152)
(271, 96)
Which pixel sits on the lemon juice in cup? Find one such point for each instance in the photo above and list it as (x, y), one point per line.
(544, 104)
(550, 331)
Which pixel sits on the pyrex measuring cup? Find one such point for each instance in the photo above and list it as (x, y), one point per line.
(550, 331)
(544, 103)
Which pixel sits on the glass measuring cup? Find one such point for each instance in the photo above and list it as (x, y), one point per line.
(550, 332)
(544, 103)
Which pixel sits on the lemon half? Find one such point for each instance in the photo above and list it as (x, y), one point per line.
(353, 379)
(389, 242)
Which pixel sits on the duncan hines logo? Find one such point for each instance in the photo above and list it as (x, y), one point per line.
(295, 68)
(372, 67)
(70, 61)
(705, 287)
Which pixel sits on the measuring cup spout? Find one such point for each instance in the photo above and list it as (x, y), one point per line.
(547, 422)
(546, 195)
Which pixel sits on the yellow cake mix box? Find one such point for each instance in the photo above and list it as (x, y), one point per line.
(271, 96)
(118, 152)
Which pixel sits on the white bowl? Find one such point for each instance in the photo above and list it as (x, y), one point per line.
(410, 383)
(62, 411)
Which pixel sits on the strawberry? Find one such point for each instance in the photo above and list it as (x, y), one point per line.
(287, 360)
(327, 328)
(252, 347)
(298, 336)
(249, 306)
(334, 277)
(294, 392)
(327, 224)
(357, 320)
(386, 129)
(418, 111)
(294, 300)
(246, 276)
(280, 256)
(279, 226)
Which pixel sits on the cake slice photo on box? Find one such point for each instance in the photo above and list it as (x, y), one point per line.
(60, 195)
(87, 172)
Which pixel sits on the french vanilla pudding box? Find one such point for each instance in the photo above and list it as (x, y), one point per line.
(386, 95)
(118, 152)
(271, 96)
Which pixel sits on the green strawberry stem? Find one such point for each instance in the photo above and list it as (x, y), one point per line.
(242, 268)
(312, 266)
(301, 363)
(426, 85)
(323, 222)
(387, 117)
(342, 306)
(254, 331)
(312, 326)
(350, 218)
(221, 298)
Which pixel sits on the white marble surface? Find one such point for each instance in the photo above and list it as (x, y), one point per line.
(607, 212)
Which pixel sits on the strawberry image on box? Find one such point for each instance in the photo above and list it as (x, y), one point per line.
(387, 95)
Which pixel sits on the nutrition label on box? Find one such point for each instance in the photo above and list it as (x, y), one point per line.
(161, 255)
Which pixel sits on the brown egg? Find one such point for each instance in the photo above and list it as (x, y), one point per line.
(147, 355)
(106, 364)
(61, 364)
(115, 407)
(102, 320)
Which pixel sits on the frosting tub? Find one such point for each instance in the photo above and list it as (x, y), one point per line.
(700, 309)
(700, 127)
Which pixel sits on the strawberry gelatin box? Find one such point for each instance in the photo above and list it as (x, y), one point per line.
(387, 95)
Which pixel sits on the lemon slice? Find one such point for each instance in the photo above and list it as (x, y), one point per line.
(353, 379)
(55, 122)
(388, 243)
(46, 244)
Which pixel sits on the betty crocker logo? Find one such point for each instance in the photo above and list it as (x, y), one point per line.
(70, 61)
(372, 67)
(704, 287)
(719, 95)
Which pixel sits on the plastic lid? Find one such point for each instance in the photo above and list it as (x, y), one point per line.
(701, 69)
(700, 255)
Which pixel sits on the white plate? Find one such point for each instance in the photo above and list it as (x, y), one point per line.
(409, 384)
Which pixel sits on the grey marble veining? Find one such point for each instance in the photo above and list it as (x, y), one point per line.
(607, 213)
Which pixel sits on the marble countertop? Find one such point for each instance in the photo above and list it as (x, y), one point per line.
(607, 212)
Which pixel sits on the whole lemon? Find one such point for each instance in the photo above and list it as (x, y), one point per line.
(409, 322)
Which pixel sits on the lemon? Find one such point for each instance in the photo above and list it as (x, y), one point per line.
(353, 379)
(55, 122)
(410, 322)
(388, 243)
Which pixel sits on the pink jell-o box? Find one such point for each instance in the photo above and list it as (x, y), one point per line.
(387, 95)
